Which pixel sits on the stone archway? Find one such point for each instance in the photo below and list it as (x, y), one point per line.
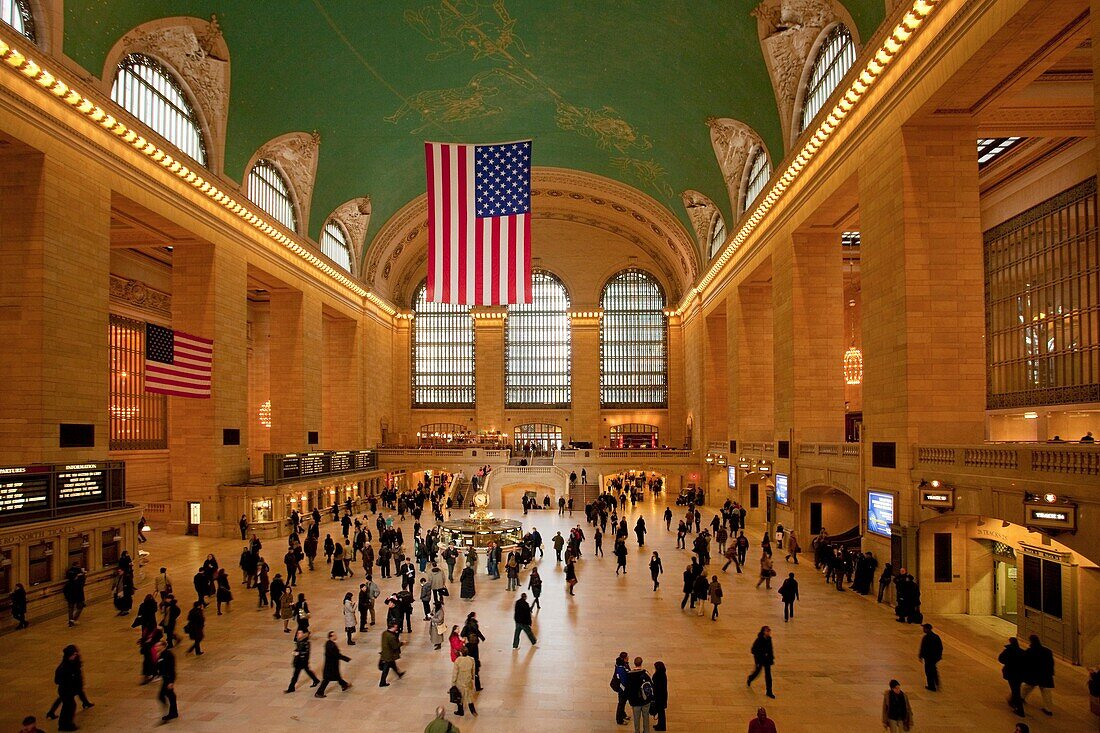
(826, 507)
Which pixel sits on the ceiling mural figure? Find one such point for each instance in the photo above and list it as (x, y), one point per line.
(461, 25)
(458, 104)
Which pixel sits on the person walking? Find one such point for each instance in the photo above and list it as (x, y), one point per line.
(655, 570)
(195, 628)
(68, 678)
(714, 595)
(300, 660)
(19, 606)
(559, 542)
(73, 591)
(1014, 664)
(534, 584)
(931, 652)
(331, 672)
(1039, 672)
(466, 583)
(659, 705)
(471, 634)
(224, 593)
(522, 616)
(639, 693)
(639, 531)
(436, 625)
(390, 653)
(438, 581)
(788, 591)
(897, 715)
(166, 669)
(463, 675)
(620, 556)
(763, 655)
(349, 608)
(762, 723)
(571, 575)
(766, 570)
(700, 592)
(793, 548)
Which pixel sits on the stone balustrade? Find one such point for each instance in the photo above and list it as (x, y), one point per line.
(1046, 462)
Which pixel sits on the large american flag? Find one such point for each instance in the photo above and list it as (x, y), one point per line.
(177, 363)
(479, 223)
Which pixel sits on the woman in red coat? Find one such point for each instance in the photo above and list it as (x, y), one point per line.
(457, 644)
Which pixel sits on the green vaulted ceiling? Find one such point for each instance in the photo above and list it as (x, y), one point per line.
(620, 88)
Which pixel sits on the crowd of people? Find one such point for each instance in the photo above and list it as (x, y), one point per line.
(362, 545)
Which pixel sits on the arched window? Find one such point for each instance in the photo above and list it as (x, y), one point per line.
(633, 342)
(269, 190)
(442, 353)
(717, 234)
(540, 437)
(334, 244)
(537, 362)
(834, 57)
(145, 88)
(757, 173)
(17, 14)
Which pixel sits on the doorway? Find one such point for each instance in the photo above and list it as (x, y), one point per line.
(194, 517)
(1004, 582)
(815, 517)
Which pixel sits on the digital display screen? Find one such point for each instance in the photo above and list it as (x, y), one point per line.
(880, 512)
(731, 476)
(24, 493)
(81, 482)
(781, 491)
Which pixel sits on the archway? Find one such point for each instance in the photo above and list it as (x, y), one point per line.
(828, 508)
(511, 496)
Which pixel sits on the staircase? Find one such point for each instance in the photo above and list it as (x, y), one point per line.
(550, 477)
(584, 494)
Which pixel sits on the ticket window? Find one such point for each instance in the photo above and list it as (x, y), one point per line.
(262, 510)
(78, 551)
(111, 544)
(40, 563)
(6, 565)
(1048, 603)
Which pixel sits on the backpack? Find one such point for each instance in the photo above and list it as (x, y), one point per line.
(647, 690)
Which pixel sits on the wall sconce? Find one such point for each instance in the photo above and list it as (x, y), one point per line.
(117, 538)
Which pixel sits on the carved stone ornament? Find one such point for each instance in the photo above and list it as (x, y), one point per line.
(702, 213)
(788, 30)
(197, 53)
(137, 294)
(296, 156)
(355, 216)
(733, 141)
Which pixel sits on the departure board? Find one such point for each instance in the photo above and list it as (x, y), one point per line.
(280, 467)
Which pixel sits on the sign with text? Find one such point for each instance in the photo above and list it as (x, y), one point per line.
(731, 476)
(280, 467)
(940, 498)
(781, 489)
(36, 491)
(880, 512)
(1059, 516)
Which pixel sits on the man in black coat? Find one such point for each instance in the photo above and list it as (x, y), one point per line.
(522, 617)
(789, 593)
(301, 660)
(1015, 663)
(763, 656)
(931, 652)
(166, 668)
(74, 591)
(331, 672)
(1039, 671)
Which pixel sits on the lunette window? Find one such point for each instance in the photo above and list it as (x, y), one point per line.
(537, 347)
(145, 88)
(269, 190)
(758, 174)
(442, 353)
(334, 245)
(834, 57)
(17, 14)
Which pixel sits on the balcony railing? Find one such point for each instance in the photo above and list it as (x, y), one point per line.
(1065, 460)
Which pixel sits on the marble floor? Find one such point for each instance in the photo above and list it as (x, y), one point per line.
(832, 662)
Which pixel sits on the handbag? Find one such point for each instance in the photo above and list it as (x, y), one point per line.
(456, 695)
(444, 592)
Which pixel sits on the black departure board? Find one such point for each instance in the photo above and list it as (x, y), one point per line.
(44, 490)
(280, 467)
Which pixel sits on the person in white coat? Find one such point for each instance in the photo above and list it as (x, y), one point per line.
(349, 617)
(462, 677)
(435, 625)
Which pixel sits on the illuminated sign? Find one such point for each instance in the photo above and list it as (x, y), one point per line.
(938, 498)
(731, 476)
(880, 512)
(1050, 513)
(781, 492)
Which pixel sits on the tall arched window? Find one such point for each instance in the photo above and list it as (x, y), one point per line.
(145, 88)
(835, 56)
(442, 353)
(757, 174)
(537, 361)
(269, 190)
(633, 342)
(334, 244)
(17, 14)
(717, 235)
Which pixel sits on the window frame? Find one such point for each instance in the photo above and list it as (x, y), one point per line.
(257, 172)
(539, 348)
(160, 111)
(129, 405)
(629, 346)
(755, 177)
(829, 72)
(466, 388)
(21, 9)
(335, 243)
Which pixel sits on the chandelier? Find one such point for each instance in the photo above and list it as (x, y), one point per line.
(853, 365)
(265, 414)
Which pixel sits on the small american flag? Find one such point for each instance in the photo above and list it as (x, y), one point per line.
(177, 363)
(479, 223)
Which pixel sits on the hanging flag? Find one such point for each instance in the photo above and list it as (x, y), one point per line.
(177, 363)
(479, 223)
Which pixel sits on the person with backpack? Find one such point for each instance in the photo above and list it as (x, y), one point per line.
(618, 684)
(639, 693)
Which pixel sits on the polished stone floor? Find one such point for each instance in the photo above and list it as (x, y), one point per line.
(832, 662)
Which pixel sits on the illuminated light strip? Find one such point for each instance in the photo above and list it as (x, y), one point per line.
(885, 55)
(50, 82)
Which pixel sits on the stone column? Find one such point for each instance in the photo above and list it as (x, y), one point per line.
(381, 402)
(715, 391)
(341, 385)
(489, 369)
(808, 341)
(584, 423)
(209, 299)
(296, 355)
(749, 344)
(922, 284)
(54, 280)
